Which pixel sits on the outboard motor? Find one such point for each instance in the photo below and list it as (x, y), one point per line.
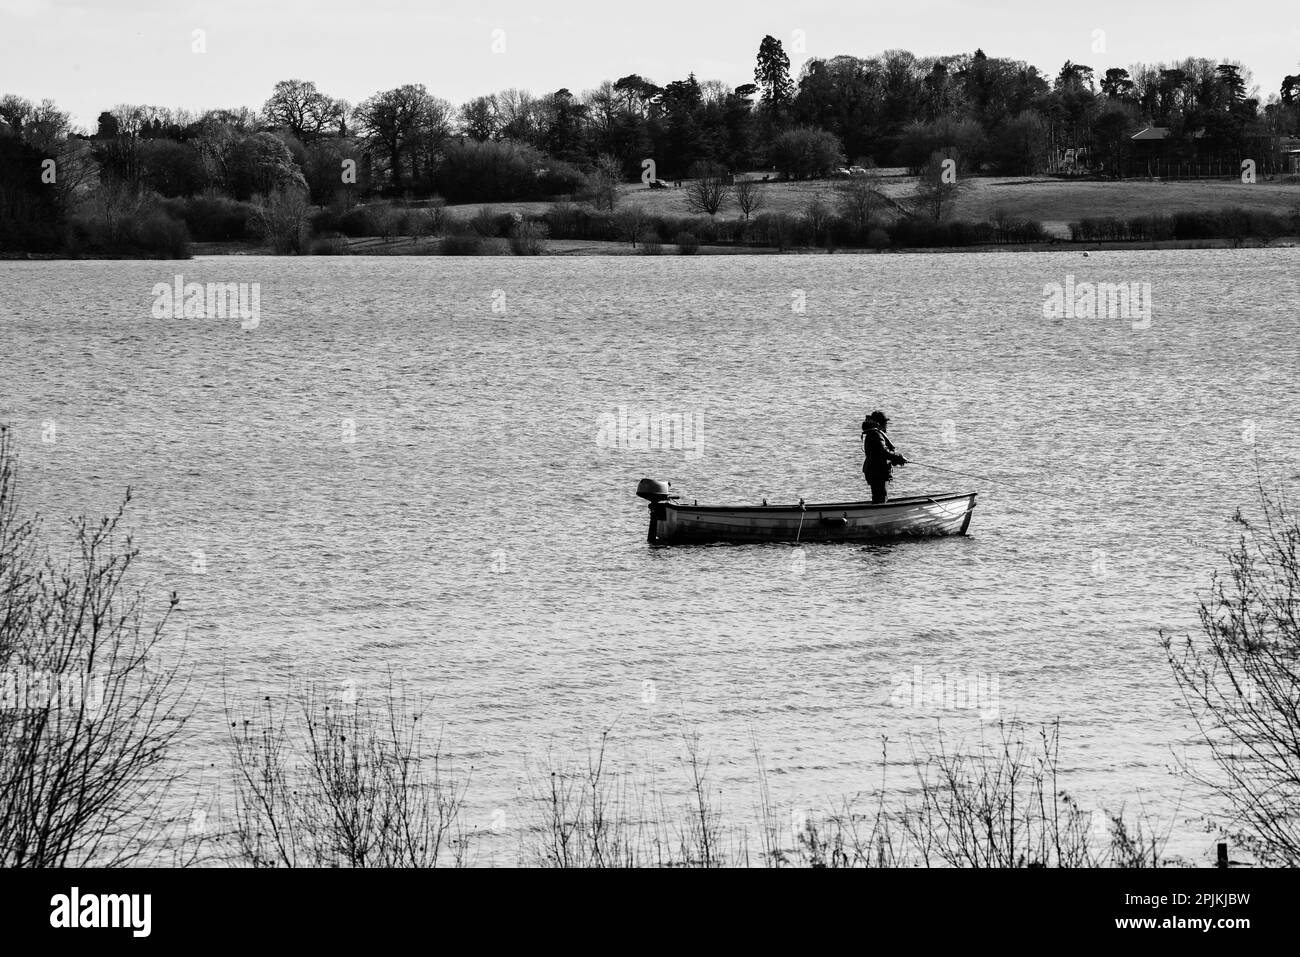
(656, 493)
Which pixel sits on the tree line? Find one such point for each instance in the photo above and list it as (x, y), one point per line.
(993, 115)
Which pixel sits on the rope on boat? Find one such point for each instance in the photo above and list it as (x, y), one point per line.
(945, 508)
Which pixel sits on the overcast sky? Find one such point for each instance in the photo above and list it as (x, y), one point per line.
(90, 56)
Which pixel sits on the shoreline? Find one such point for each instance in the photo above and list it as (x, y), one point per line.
(375, 246)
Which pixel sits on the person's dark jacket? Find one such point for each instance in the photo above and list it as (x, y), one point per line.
(879, 451)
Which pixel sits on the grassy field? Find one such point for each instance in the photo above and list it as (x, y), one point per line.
(1053, 202)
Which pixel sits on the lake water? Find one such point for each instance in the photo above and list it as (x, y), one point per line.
(401, 469)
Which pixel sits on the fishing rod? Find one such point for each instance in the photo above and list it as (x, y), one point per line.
(982, 478)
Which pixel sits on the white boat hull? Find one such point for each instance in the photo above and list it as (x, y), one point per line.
(912, 516)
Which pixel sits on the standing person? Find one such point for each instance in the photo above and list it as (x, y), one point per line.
(879, 456)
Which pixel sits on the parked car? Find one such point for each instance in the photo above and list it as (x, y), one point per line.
(841, 173)
(857, 171)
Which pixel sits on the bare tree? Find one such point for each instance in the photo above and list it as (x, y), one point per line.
(603, 183)
(15, 110)
(76, 170)
(115, 206)
(284, 216)
(817, 214)
(300, 108)
(47, 126)
(519, 115)
(749, 196)
(938, 186)
(709, 189)
(405, 127)
(480, 118)
(859, 201)
(603, 111)
(631, 223)
(90, 713)
(1241, 683)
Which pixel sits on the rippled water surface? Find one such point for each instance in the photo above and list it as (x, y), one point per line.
(398, 470)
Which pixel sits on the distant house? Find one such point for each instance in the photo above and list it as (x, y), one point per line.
(1151, 150)
(1291, 154)
(1156, 135)
(1075, 159)
(1147, 150)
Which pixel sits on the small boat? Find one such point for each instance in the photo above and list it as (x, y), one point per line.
(911, 516)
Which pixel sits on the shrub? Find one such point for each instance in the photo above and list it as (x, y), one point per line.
(774, 229)
(1234, 224)
(393, 222)
(31, 213)
(321, 162)
(326, 221)
(165, 237)
(358, 785)
(1239, 681)
(528, 238)
(1018, 230)
(960, 139)
(1158, 227)
(463, 244)
(489, 224)
(806, 151)
(119, 221)
(437, 216)
(1015, 229)
(563, 220)
(171, 168)
(705, 228)
(259, 163)
(1195, 225)
(687, 244)
(560, 179)
(284, 217)
(878, 239)
(86, 772)
(568, 221)
(920, 232)
(600, 187)
(501, 172)
(1266, 225)
(213, 219)
(334, 245)
(358, 222)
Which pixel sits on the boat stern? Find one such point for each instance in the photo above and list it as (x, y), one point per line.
(658, 494)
